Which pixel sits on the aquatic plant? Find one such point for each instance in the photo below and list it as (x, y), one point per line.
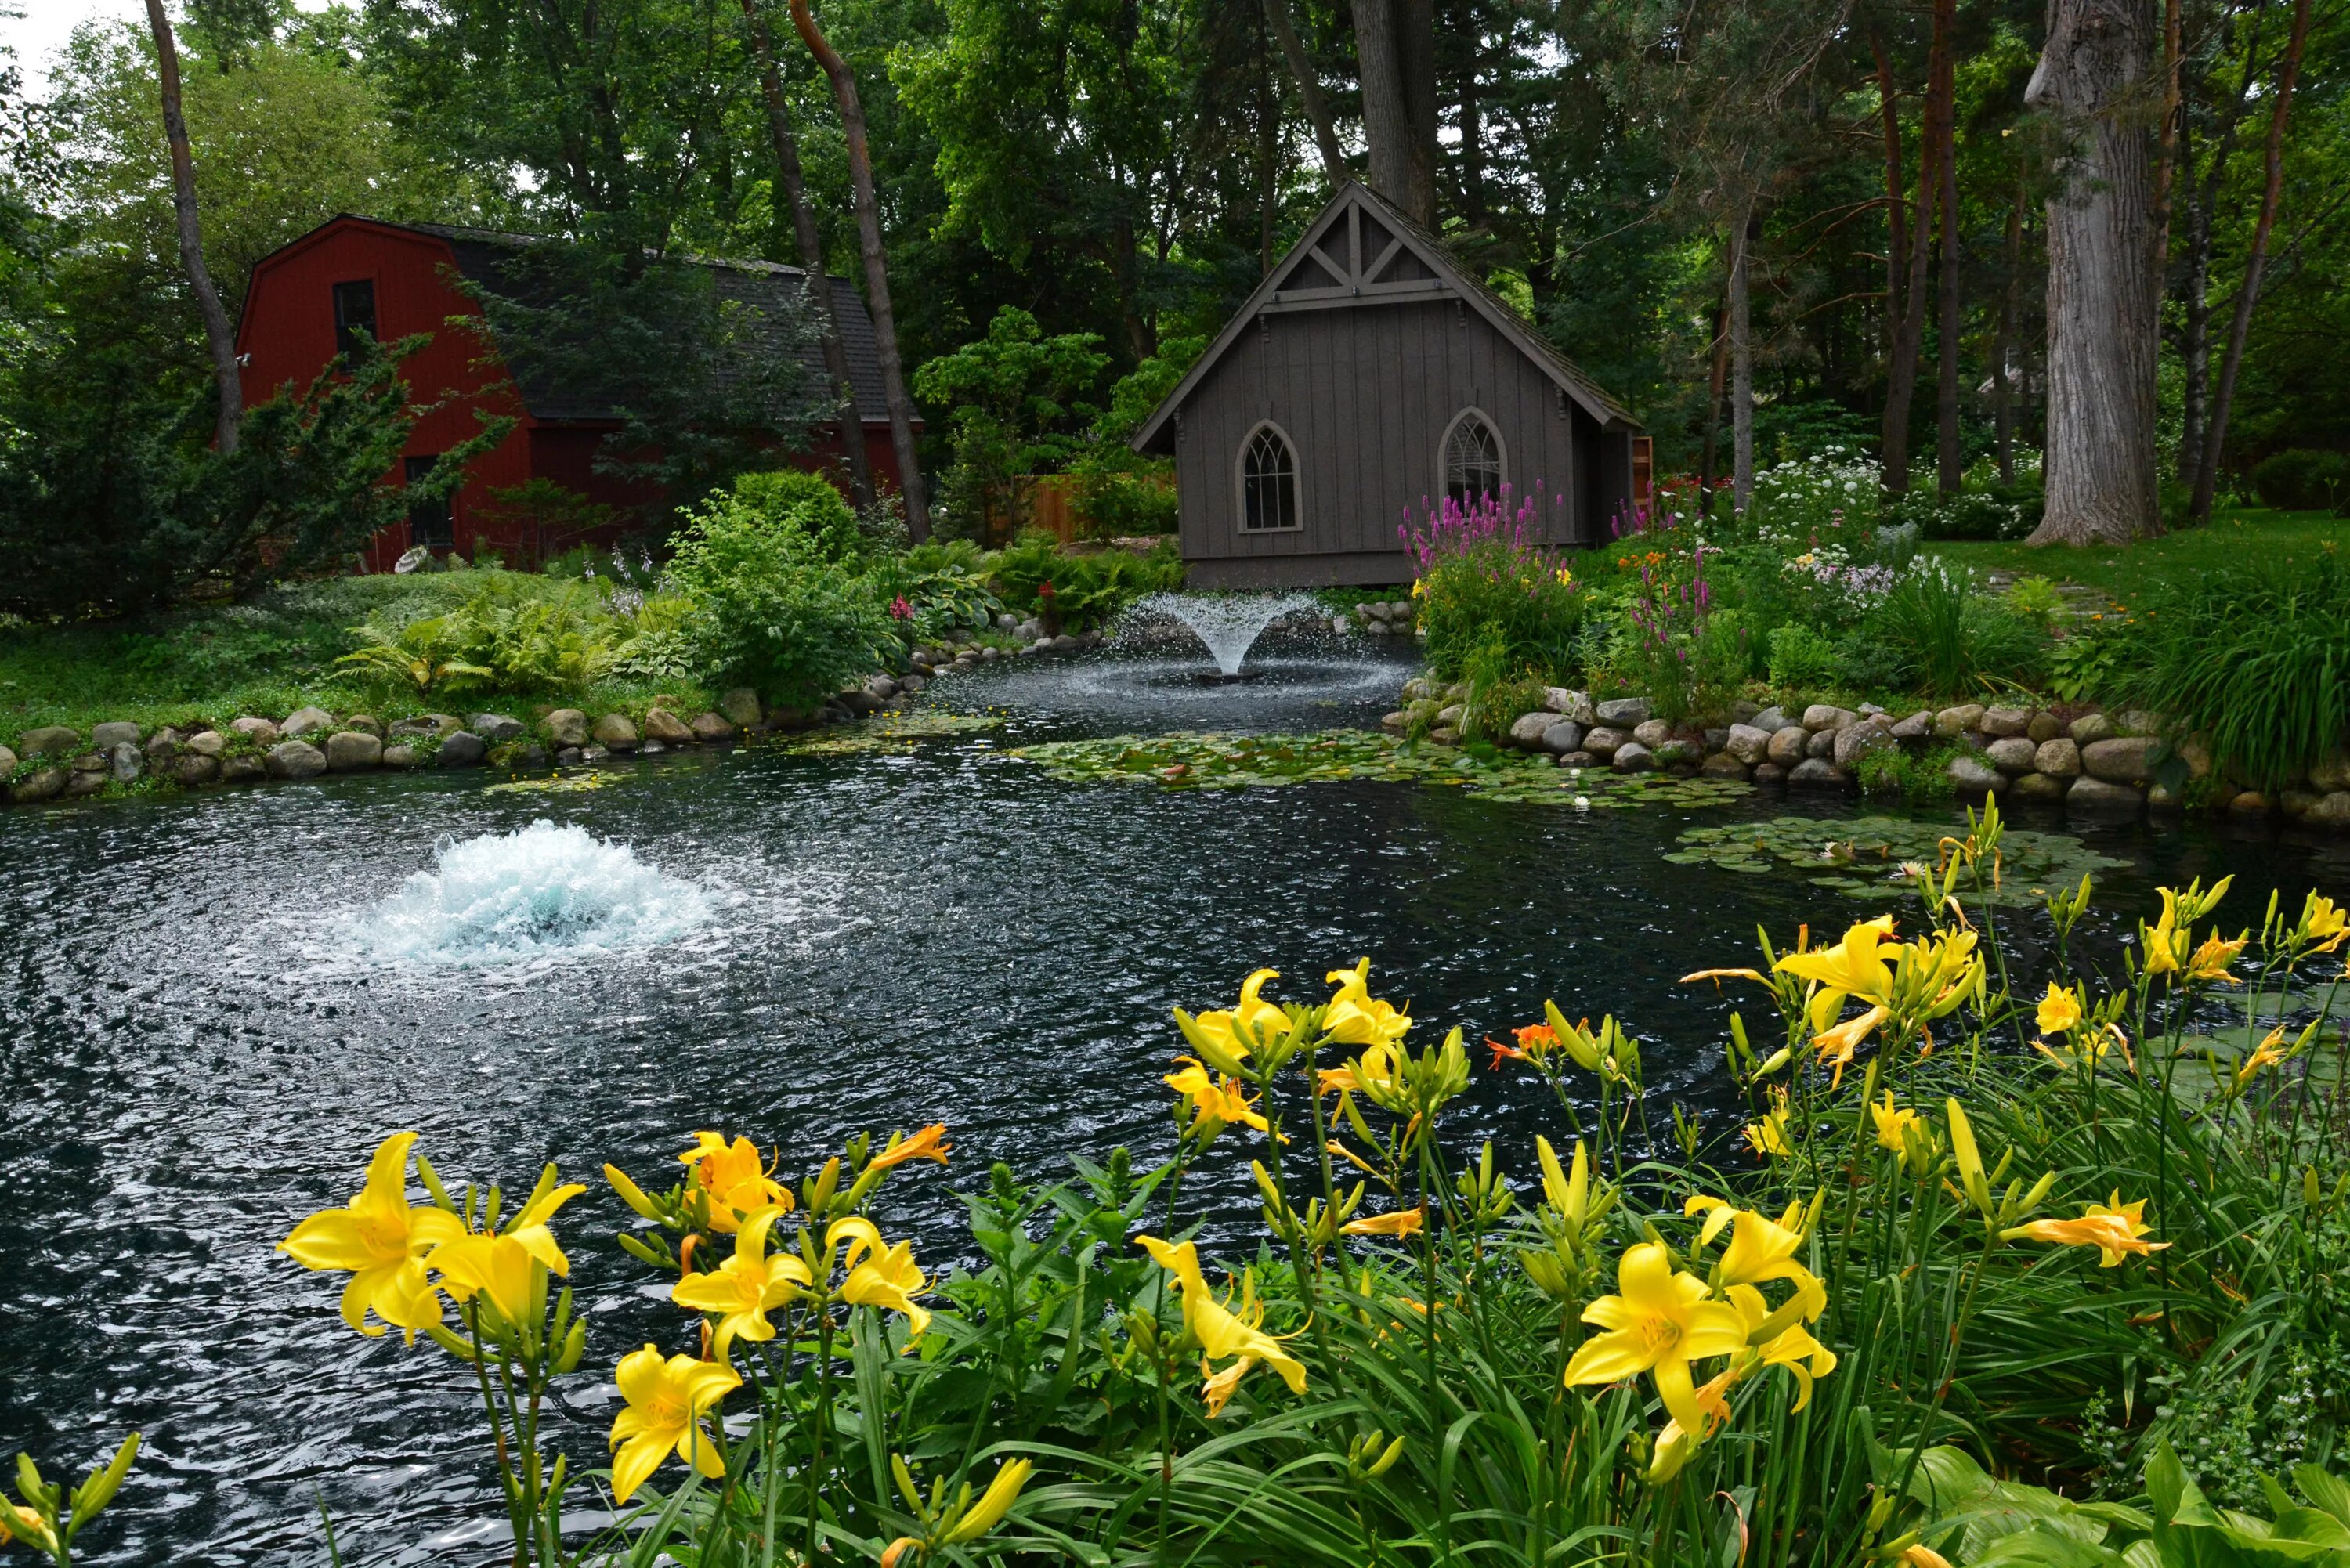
(1482, 572)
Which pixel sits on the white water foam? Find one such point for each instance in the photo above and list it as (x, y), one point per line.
(1225, 624)
(543, 890)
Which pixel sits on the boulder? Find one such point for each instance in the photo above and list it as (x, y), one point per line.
(1814, 773)
(2125, 759)
(49, 740)
(1918, 726)
(194, 768)
(112, 733)
(2158, 798)
(1821, 743)
(2012, 753)
(1575, 761)
(462, 750)
(1972, 776)
(1723, 765)
(1787, 744)
(594, 757)
(1450, 714)
(2250, 802)
(7, 766)
(41, 784)
(1828, 716)
(1575, 705)
(1652, 733)
(1623, 712)
(1562, 737)
(880, 688)
(1601, 741)
(1952, 723)
(2136, 721)
(349, 751)
(1856, 740)
(1396, 722)
(572, 757)
(912, 682)
(260, 732)
(1767, 774)
(306, 722)
(1746, 745)
(1679, 755)
(243, 769)
(1528, 729)
(163, 745)
(2058, 758)
(123, 762)
(614, 733)
(2332, 810)
(2045, 726)
(495, 728)
(1632, 757)
(207, 742)
(666, 727)
(567, 727)
(2198, 758)
(85, 780)
(1998, 722)
(2101, 797)
(296, 760)
(2038, 787)
(438, 725)
(2327, 775)
(858, 701)
(711, 728)
(2090, 728)
(2296, 803)
(1443, 735)
(366, 724)
(400, 754)
(1771, 721)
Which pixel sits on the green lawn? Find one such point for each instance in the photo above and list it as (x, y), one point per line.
(2235, 537)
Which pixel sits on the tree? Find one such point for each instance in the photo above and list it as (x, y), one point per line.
(219, 336)
(2099, 465)
(1015, 406)
(877, 269)
(1309, 78)
(1394, 50)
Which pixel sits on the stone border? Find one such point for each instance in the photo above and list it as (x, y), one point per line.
(2093, 764)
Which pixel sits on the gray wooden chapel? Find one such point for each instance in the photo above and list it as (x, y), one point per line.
(1368, 373)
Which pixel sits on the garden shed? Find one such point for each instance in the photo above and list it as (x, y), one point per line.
(1368, 374)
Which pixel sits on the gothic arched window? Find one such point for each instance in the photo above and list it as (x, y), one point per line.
(1268, 482)
(1472, 459)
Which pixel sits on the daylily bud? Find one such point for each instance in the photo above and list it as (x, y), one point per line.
(2039, 1193)
(894, 1554)
(1776, 1060)
(431, 1179)
(95, 1492)
(630, 1192)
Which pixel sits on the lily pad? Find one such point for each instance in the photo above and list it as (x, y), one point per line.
(1870, 857)
(557, 783)
(887, 732)
(1216, 761)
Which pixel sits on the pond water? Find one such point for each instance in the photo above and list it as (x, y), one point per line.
(215, 1006)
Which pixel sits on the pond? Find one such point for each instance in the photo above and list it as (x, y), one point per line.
(217, 1005)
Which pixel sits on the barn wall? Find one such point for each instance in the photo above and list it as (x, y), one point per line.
(1365, 394)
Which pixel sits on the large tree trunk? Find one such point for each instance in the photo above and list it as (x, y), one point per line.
(2102, 290)
(1909, 332)
(2003, 389)
(1309, 90)
(1395, 62)
(1897, 210)
(877, 270)
(811, 249)
(1742, 363)
(1949, 464)
(1471, 121)
(1416, 52)
(1715, 382)
(2248, 292)
(228, 418)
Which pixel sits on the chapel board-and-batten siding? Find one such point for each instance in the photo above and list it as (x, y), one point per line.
(1364, 349)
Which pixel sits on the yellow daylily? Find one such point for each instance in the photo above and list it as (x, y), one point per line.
(992, 1505)
(1211, 1102)
(1397, 1222)
(1852, 968)
(499, 1266)
(2264, 1054)
(1769, 1136)
(2324, 925)
(2060, 1010)
(1719, 1212)
(1793, 1346)
(1225, 1037)
(18, 1523)
(734, 1179)
(2210, 960)
(1761, 1250)
(1221, 1333)
(1659, 1323)
(926, 1143)
(1354, 1017)
(1569, 1192)
(1675, 1444)
(881, 1276)
(382, 1240)
(1972, 1175)
(2114, 1227)
(744, 1288)
(2166, 942)
(666, 1401)
(1837, 1045)
(1893, 1124)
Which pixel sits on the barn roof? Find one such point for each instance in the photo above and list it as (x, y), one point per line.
(771, 287)
(1314, 276)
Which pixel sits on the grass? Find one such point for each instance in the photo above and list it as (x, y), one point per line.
(2173, 559)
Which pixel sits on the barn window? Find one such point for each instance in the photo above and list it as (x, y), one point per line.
(1268, 482)
(1472, 459)
(431, 521)
(354, 314)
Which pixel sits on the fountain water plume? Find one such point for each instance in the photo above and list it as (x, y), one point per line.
(1227, 624)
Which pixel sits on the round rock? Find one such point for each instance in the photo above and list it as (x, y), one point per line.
(296, 760)
(614, 733)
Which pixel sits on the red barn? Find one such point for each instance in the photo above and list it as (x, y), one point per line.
(392, 280)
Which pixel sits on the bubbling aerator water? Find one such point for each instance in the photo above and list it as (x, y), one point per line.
(542, 890)
(1227, 624)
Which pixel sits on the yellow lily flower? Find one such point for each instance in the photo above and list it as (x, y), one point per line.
(1675, 1444)
(666, 1401)
(2211, 960)
(1972, 1175)
(380, 1240)
(1397, 1222)
(1211, 1104)
(1658, 1324)
(18, 1523)
(1354, 1017)
(1920, 1555)
(886, 1278)
(736, 1180)
(2114, 1227)
(924, 1145)
(1893, 1124)
(744, 1288)
(1719, 1213)
(1225, 1037)
(1768, 1137)
(1221, 1333)
(1793, 1347)
(1761, 1250)
(992, 1505)
(1837, 1045)
(2060, 1010)
(1852, 967)
(2324, 925)
(2264, 1054)
(500, 1266)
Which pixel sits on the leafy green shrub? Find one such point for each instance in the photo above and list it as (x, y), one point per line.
(514, 634)
(1801, 658)
(1948, 638)
(1088, 590)
(1014, 407)
(1122, 504)
(1997, 512)
(2035, 598)
(795, 498)
(1483, 568)
(1921, 780)
(1722, 659)
(2259, 659)
(771, 611)
(2302, 480)
(948, 598)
